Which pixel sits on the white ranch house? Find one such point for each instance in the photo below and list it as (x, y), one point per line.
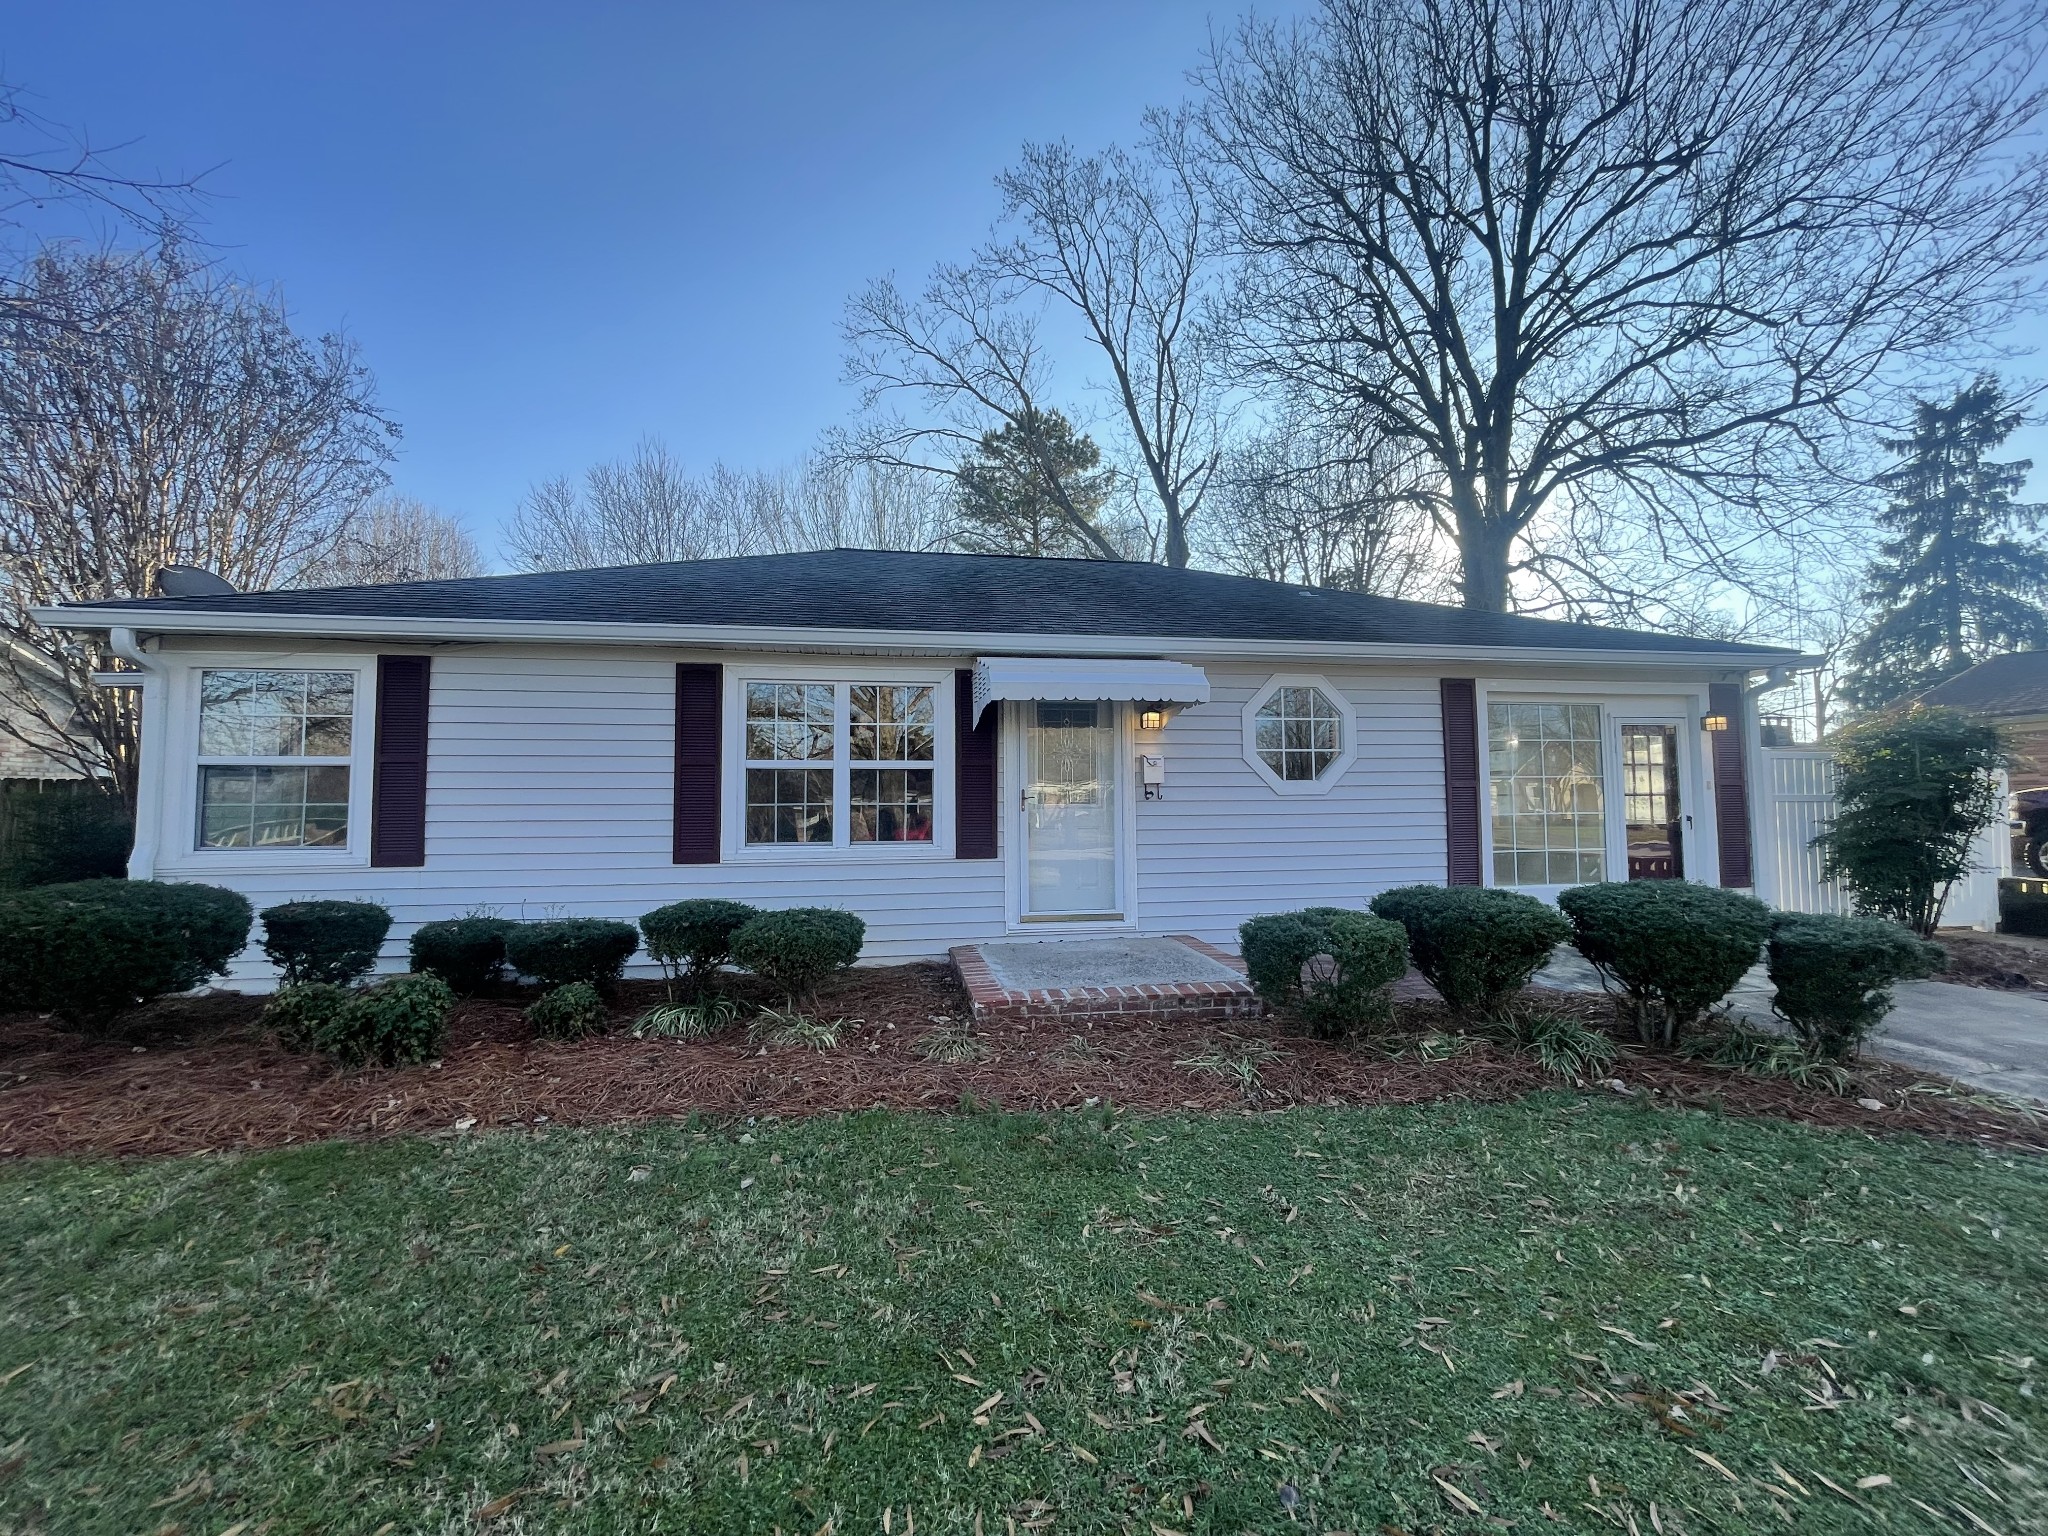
(958, 748)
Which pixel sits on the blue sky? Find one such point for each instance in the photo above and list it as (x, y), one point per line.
(555, 229)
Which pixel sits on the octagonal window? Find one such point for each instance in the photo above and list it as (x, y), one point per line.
(1299, 733)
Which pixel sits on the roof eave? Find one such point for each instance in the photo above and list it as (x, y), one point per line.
(576, 632)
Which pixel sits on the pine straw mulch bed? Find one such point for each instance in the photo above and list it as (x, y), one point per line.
(198, 1074)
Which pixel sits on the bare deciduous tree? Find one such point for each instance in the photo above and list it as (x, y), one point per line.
(1119, 238)
(194, 427)
(822, 505)
(1297, 503)
(969, 358)
(650, 508)
(1654, 255)
(396, 538)
(629, 512)
(45, 166)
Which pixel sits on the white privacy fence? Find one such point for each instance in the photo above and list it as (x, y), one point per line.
(1795, 799)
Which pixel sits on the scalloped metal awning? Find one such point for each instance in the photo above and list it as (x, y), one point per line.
(1087, 677)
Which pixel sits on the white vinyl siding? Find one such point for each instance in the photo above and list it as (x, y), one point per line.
(551, 781)
(550, 793)
(1222, 845)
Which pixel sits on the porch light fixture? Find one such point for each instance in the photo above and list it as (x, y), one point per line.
(1715, 723)
(1151, 717)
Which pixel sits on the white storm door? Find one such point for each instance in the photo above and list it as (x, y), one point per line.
(1070, 811)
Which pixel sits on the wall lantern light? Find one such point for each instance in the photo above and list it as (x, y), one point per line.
(1151, 717)
(1714, 723)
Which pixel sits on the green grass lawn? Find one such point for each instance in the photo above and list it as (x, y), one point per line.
(1564, 1309)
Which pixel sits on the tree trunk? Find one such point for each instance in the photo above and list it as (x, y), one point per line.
(1176, 536)
(1483, 550)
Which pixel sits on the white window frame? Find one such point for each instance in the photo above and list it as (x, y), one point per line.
(1635, 704)
(842, 676)
(182, 785)
(1347, 750)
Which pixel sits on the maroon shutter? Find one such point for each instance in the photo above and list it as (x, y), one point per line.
(1460, 698)
(974, 773)
(1731, 784)
(699, 708)
(398, 773)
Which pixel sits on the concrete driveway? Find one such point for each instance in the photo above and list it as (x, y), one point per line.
(1992, 1040)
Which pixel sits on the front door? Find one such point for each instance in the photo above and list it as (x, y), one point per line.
(1070, 812)
(1654, 819)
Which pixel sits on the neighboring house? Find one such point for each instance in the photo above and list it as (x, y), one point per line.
(2012, 691)
(955, 747)
(30, 697)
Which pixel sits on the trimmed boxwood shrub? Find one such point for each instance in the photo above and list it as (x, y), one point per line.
(1329, 966)
(401, 1020)
(300, 1013)
(466, 952)
(332, 941)
(795, 949)
(693, 938)
(592, 949)
(1673, 948)
(569, 1012)
(1477, 945)
(1834, 976)
(92, 949)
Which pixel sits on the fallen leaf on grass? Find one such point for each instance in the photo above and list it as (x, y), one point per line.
(1512, 1389)
(502, 1503)
(1623, 1333)
(15, 1372)
(1458, 1497)
(1875, 1480)
(1324, 1401)
(1710, 1461)
(1200, 1431)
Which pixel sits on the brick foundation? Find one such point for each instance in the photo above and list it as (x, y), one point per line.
(1195, 1001)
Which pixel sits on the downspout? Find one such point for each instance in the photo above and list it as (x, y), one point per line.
(149, 748)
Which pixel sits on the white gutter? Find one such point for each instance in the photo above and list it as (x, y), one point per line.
(149, 747)
(949, 642)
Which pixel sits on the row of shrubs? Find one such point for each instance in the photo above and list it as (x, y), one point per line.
(321, 947)
(1671, 950)
(91, 950)
(793, 948)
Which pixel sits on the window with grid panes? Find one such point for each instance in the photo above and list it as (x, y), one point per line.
(839, 763)
(274, 757)
(1548, 798)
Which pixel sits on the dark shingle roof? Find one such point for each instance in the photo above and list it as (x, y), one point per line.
(971, 594)
(2014, 684)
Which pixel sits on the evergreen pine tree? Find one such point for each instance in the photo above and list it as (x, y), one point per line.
(1960, 579)
(1025, 485)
